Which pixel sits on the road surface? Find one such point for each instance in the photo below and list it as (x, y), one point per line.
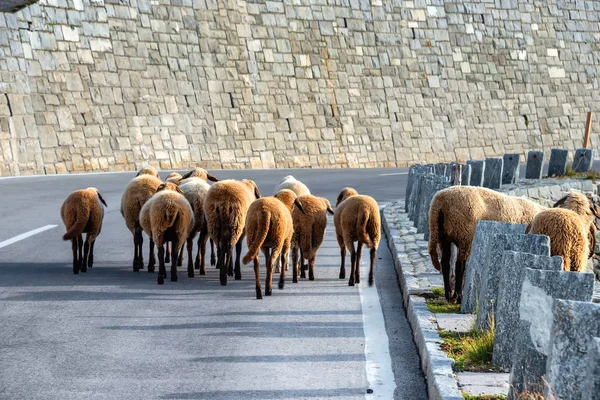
(114, 334)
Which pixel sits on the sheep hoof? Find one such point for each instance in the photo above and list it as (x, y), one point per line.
(203, 271)
(213, 261)
(311, 276)
(281, 284)
(160, 280)
(343, 275)
(302, 274)
(258, 294)
(197, 265)
(179, 263)
(295, 280)
(224, 281)
(357, 280)
(370, 281)
(350, 283)
(268, 292)
(191, 274)
(150, 270)
(238, 277)
(83, 269)
(278, 270)
(173, 278)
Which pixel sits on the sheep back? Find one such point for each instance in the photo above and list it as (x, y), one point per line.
(357, 219)
(195, 191)
(310, 226)
(82, 212)
(166, 210)
(136, 194)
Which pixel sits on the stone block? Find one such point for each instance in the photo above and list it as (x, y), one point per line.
(466, 175)
(558, 162)
(487, 293)
(591, 386)
(440, 169)
(582, 160)
(479, 249)
(536, 308)
(412, 171)
(535, 165)
(492, 176)
(477, 172)
(575, 323)
(506, 321)
(510, 168)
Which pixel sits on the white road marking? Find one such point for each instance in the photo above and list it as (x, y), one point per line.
(26, 235)
(394, 173)
(377, 350)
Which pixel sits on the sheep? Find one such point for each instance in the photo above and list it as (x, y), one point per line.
(148, 170)
(356, 219)
(270, 228)
(174, 177)
(195, 191)
(225, 208)
(167, 217)
(570, 226)
(139, 190)
(453, 217)
(289, 182)
(309, 230)
(200, 173)
(82, 212)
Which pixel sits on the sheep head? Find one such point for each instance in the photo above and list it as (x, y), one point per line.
(290, 199)
(174, 177)
(200, 173)
(344, 194)
(252, 186)
(169, 186)
(148, 170)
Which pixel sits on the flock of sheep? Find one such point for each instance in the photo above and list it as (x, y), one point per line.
(455, 211)
(176, 211)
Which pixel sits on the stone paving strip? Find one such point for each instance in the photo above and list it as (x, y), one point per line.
(417, 277)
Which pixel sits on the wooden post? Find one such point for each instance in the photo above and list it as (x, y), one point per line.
(456, 176)
(588, 130)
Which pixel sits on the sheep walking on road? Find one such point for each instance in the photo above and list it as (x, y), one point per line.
(82, 212)
(356, 219)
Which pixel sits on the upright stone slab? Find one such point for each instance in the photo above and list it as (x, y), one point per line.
(487, 295)
(540, 289)
(449, 167)
(514, 265)
(558, 162)
(440, 169)
(412, 171)
(466, 175)
(492, 176)
(439, 184)
(575, 324)
(479, 248)
(427, 193)
(510, 168)
(591, 386)
(582, 160)
(477, 171)
(535, 165)
(414, 196)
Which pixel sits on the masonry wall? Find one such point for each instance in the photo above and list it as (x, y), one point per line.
(114, 84)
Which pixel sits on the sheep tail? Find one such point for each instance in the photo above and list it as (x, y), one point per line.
(256, 238)
(76, 229)
(361, 229)
(436, 219)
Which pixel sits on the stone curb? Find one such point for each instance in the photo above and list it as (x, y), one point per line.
(441, 383)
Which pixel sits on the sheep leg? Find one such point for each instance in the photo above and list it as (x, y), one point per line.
(274, 254)
(200, 263)
(311, 268)
(238, 256)
(257, 278)
(446, 255)
(373, 254)
(136, 251)
(74, 249)
(180, 258)
(141, 256)
(302, 267)
(294, 264)
(213, 260)
(284, 264)
(222, 264)
(91, 257)
(459, 275)
(190, 245)
(175, 250)
(168, 255)
(162, 272)
(86, 253)
(343, 257)
(152, 260)
(353, 264)
(359, 247)
(80, 251)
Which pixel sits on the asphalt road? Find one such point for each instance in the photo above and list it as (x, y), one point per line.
(112, 333)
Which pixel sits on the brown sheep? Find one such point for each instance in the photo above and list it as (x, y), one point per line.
(356, 219)
(453, 217)
(309, 230)
(200, 173)
(167, 217)
(225, 209)
(139, 190)
(148, 170)
(174, 177)
(82, 212)
(270, 229)
(585, 207)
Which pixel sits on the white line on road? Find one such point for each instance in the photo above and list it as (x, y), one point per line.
(377, 350)
(26, 235)
(394, 173)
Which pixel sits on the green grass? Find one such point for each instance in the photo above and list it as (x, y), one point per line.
(438, 292)
(471, 351)
(569, 173)
(484, 397)
(436, 303)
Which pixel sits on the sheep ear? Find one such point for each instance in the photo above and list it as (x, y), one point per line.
(339, 199)
(256, 192)
(329, 209)
(299, 205)
(560, 202)
(528, 228)
(101, 199)
(138, 174)
(178, 189)
(212, 178)
(187, 175)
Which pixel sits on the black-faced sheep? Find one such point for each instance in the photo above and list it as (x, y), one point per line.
(167, 217)
(225, 208)
(270, 229)
(82, 212)
(356, 219)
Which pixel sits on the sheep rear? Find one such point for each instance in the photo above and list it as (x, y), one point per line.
(256, 237)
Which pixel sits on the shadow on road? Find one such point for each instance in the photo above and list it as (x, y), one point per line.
(268, 394)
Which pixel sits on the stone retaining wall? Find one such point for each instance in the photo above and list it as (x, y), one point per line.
(113, 84)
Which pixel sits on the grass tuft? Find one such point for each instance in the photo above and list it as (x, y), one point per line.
(436, 303)
(484, 396)
(438, 292)
(471, 351)
(570, 173)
